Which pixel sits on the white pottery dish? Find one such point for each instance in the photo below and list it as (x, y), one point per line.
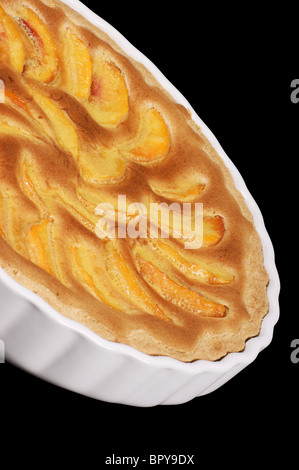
(61, 351)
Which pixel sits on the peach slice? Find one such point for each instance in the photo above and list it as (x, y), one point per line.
(213, 230)
(39, 245)
(173, 222)
(180, 193)
(64, 130)
(13, 226)
(127, 283)
(108, 102)
(178, 295)
(190, 269)
(42, 63)
(12, 48)
(18, 124)
(7, 127)
(16, 100)
(88, 202)
(102, 166)
(79, 214)
(78, 68)
(88, 270)
(29, 189)
(152, 141)
(2, 234)
(81, 262)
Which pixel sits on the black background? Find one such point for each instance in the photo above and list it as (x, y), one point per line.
(235, 67)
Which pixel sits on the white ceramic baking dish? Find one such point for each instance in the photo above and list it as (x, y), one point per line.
(61, 351)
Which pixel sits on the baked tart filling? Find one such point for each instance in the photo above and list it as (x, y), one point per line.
(81, 124)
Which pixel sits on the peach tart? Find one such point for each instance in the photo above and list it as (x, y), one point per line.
(82, 123)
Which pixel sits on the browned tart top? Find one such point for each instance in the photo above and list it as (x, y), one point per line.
(81, 124)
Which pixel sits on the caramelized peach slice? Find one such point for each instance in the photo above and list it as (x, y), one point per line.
(7, 127)
(101, 167)
(79, 213)
(29, 189)
(213, 230)
(127, 283)
(186, 193)
(152, 141)
(88, 202)
(2, 234)
(39, 245)
(42, 63)
(178, 295)
(64, 129)
(16, 100)
(108, 103)
(174, 222)
(190, 269)
(78, 68)
(13, 226)
(182, 186)
(19, 124)
(87, 269)
(81, 261)
(12, 48)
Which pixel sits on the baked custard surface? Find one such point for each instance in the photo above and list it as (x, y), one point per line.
(81, 124)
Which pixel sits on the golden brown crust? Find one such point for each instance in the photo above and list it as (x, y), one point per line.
(44, 184)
